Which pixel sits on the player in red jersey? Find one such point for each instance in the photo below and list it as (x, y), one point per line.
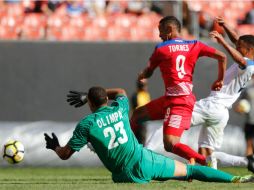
(176, 59)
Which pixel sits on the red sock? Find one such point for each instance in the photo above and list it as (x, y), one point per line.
(187, 153)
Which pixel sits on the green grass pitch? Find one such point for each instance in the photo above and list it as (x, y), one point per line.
(97, 179)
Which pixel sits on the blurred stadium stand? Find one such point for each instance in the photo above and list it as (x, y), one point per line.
(18, 23)
(232, 11)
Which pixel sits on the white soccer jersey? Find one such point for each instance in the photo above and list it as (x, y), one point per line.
(235, 80)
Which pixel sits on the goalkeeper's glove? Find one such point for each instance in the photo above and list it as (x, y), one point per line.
(51, 143)
(77, 99)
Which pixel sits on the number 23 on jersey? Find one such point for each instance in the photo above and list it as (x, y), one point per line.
(114, 139)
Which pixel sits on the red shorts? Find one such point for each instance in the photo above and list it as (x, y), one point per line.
(175, 110)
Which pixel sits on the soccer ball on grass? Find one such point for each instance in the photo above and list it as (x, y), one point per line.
(13, 151)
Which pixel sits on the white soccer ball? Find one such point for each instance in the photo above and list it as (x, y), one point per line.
(13, 151)
(244, 106)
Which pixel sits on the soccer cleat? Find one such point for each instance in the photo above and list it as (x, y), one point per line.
(243, 179)
(211, 161)
(251, 163)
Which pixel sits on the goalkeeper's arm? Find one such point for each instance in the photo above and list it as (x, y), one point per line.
(52, 143)
(78, 99)
(112, 93)
(64, 152)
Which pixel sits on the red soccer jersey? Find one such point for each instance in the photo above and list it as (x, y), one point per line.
(176, 59)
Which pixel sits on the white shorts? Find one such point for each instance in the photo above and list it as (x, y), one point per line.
(213, 118)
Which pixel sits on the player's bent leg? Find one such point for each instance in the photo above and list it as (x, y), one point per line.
(205, 151)
(212, 137)
(203, 173)
(172, 144)
(207, 174)
(180, 169)
(172, 128)
(154, 110)
(228, 160)
(211, 160)
(169, 142)
(178, 119)
(139, 116)
(187, 152)
(154, 166)
(159, 167)
(212, 132)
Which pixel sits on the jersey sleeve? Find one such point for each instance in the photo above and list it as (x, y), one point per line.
(205, 50)
(123, 103)
(154, 60)
(80, 135)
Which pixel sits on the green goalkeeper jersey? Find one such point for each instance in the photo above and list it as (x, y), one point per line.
(108, 130)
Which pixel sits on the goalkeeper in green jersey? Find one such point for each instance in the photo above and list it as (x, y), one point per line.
(108, 130)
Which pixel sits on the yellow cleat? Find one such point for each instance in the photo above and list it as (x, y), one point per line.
(243, 179)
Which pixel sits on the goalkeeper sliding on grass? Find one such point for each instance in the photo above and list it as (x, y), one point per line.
(108, 130)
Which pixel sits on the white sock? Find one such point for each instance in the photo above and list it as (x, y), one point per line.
(226, 160)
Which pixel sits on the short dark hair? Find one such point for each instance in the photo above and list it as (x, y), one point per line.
(171, 20)
(248, 39)
(97, 96)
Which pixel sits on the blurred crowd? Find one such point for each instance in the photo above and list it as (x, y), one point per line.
(94, 20)
(114, 20)
(239, 14)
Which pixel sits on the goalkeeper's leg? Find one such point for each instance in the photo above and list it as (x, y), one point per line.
(203, 173)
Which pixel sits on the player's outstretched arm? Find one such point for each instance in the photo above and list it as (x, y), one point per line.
(222, 64)
(230, 32)
(52, 143)
(145, 74)
(112, 93)
(238, 58)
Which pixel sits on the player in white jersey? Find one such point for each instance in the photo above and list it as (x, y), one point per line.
(212, 111)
